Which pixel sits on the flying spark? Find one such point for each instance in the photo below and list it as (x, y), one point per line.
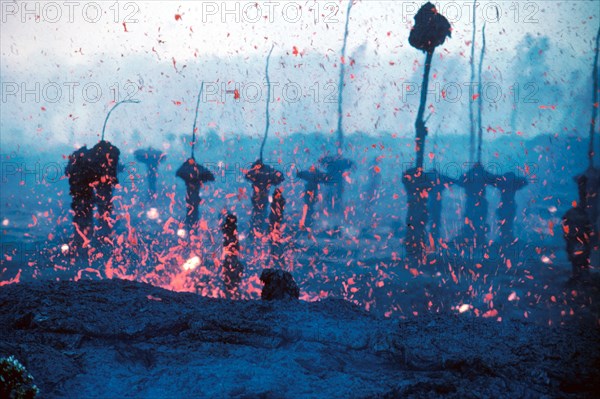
(152, 214)
(191, 263)
(546, 260)
(464, 307)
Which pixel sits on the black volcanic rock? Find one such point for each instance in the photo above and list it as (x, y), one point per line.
(279, 285)
(124, 339)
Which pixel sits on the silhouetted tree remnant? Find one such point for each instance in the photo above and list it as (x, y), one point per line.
(340, 130)
(89, 170)
(267, 118)
(262, 178)
(194, 176)
(592, 174)
(105, 158)
(592, 199)
(261, 175)
(276, 227)
(471, 112)
(480, 97)
(417, 188)
(577, 230)
(105, 161)
(439, 183)
(430, 30)
(313, 178)
(508, 185)
(371, 195)
(232, 266)
(151, 158)
(279, 285)
(594, 101)
(81, 176)
(335, 168)
(475, 182)
(337, 165)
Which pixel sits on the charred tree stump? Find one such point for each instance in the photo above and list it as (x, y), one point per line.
(232, 266)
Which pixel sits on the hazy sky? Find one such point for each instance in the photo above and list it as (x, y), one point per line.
(74, 58)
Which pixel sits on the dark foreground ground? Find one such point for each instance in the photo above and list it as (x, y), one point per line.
(118, 339)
